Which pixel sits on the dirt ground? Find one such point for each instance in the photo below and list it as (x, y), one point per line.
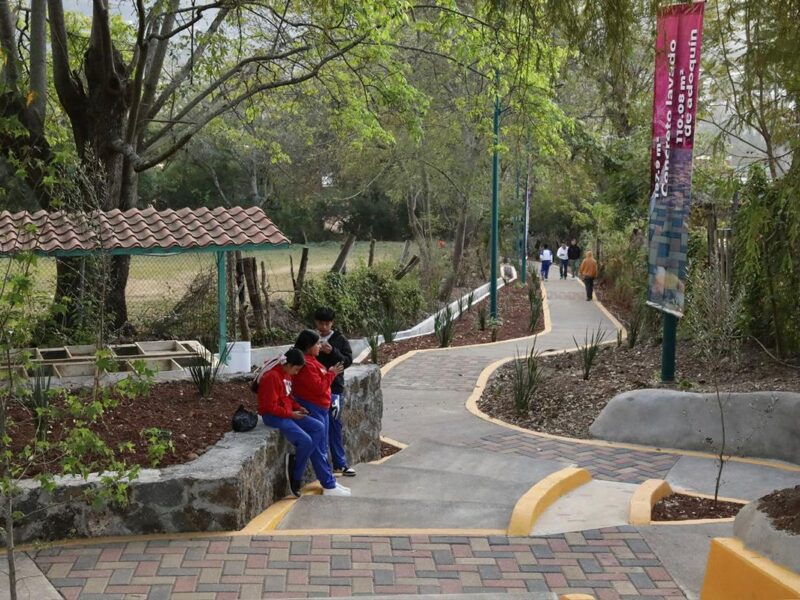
(513, 307)
(679, 507)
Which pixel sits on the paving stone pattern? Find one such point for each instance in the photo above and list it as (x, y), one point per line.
(612, 563)
(611, 464)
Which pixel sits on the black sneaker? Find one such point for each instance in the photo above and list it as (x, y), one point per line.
(348, 471)
(295, 485)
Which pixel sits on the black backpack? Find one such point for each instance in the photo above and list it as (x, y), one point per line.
(243, 419)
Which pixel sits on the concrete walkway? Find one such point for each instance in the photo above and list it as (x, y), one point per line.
(432, 519)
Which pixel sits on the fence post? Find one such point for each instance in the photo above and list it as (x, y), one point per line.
(222, 301)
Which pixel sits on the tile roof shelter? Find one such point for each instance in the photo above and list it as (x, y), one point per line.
(142, 232)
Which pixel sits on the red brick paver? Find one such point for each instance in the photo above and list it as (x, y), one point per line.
(614, 563)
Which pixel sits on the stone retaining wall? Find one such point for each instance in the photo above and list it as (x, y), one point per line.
(220, 491)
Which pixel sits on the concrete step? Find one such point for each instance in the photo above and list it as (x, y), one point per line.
(413, 483)
(436, 456)
(328, 512)
(594, 505)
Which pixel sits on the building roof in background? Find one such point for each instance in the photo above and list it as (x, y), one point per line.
(136, 230)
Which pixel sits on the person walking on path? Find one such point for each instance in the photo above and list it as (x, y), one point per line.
(546, 257)
(279, 411)
(312, 390)
(335, 349)
(563, 260)
(574, 255)
(588, 271)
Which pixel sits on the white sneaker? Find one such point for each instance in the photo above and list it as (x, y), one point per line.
(342, 487)
(337, 491)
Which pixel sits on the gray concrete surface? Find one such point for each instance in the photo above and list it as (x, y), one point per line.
(683, 550)
(757, 424)
(739, 480)
(31, 582)
(594, 505)
(755, 529)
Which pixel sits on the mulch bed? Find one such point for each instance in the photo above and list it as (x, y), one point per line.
(195, 423)
(388, 449)
(679, 507)
(783, 509)
(512, 307)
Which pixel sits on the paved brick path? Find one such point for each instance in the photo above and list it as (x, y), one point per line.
(611, 464)
(613, 563)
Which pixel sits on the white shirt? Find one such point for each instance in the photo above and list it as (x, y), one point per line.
(546, 255)
(562, 253)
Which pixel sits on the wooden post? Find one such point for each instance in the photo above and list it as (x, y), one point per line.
(407, 269)
(265, 291)
(244, 326)
(230, 258)
(301, 277)
(341, 260)
(371, 252)
(250, 278)
(406, 253)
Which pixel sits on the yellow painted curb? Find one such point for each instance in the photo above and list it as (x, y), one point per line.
(537, 499)
(734, 571)
(390, 441)
(644, 498)
(649, 493)
(270, 518)
(576, 597)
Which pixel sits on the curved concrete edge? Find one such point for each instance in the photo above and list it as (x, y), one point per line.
(650, 492)
(544, 493)
(472, 406)
(576, 597)
(644, 498)
(756, 530)
(734, 571)
(548, 327)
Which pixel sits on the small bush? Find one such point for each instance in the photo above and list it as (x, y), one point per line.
(636, 325)
(374, 341)
(444, 326)
(494, 324)
(482, 317)
(590, 349)
(525, 379)
(536, 307)
(362, 296)
(159, 442)
(204, 374)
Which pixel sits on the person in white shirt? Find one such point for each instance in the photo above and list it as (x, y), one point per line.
(546, 256)
(563, 259)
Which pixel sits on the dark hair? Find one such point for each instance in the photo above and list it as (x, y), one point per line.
(324, 313)
(545, 246)
(294, 357)
(306, 340)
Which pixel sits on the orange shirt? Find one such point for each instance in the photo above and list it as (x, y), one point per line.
(589, 268)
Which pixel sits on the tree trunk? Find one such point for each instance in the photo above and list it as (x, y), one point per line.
(341, 260)
(115, 303)
(8, 509)
(301, 278)
(244, 326)
(371, 253)
(265, 290)
(458, 253)
(250, 277)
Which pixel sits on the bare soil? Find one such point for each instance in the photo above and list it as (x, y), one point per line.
(194, 424)
(783, 509)
(679, 507)
(388, 449)
(566, 404)
(513, 308)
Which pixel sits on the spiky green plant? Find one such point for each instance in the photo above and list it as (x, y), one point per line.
(525, 379)
(444, 326)
(536, 307)
(482, 317)
(590, 349)
(204, 373)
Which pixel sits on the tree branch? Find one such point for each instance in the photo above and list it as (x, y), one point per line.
(187, 67)
(101, 37)
(138, 79)
(205, 119)
(69, 93)
(7, 43)
(154, 62)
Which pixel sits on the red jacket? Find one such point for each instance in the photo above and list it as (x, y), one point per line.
(274, 391)
(313, 383)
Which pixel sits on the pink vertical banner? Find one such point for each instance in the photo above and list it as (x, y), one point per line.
(679, 33)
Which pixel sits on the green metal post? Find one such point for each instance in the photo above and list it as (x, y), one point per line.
(222, 301)
(525, 222)
(668, 348)
(495, 205)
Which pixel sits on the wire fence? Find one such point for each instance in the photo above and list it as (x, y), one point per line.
(174, 296)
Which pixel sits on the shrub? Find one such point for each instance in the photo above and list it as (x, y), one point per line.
(204, 374)
(482, 317)
(363, 295)
(536, 307)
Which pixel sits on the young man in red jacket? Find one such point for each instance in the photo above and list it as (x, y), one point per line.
(312, 390)
(279, 411)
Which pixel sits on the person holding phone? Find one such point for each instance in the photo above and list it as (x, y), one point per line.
(335, 349)
(311, 388)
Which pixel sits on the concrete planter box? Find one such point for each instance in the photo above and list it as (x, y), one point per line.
(220, 491)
